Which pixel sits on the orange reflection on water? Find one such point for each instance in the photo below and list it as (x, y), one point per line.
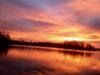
(74, 62)
(52, 60)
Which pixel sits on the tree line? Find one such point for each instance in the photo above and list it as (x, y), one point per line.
(5, 40)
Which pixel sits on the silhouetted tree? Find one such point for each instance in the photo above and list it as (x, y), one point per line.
(78, 45)
(4, 39)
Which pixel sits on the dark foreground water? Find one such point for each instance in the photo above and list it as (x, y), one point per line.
(48, 61)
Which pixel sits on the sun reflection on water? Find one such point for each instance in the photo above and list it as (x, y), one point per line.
(58, 62)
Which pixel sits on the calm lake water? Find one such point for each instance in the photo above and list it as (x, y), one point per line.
(48, 61)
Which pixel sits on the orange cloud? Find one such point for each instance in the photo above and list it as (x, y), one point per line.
(75, 18)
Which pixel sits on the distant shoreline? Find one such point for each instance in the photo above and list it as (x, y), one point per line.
(28, 46)
(6, 41)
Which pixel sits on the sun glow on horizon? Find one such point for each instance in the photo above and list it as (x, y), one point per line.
(73, 39)
(62, 39)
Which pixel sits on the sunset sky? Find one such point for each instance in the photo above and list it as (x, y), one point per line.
(51, 20)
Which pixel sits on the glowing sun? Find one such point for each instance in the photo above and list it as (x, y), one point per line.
(73, 39)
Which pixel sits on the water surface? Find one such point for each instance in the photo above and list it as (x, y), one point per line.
(48, 61)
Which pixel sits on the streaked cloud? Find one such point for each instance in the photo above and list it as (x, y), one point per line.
(51, 18)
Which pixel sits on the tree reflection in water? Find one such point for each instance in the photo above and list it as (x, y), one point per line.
(4, 50)
(48, 61)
